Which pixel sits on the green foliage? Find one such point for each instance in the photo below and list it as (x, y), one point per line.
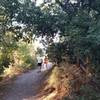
(56, 52)
(78, 25)
(89, 93)
(27, 55)
(77, 22)
(80, 29)
(39, 52)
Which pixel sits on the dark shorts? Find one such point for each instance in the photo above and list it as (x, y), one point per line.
(39, 64)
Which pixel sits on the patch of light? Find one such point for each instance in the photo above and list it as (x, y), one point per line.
(38, 2)
(56, 39)
(15, 23)
(38, 44)
(73, 1)
(21, 1)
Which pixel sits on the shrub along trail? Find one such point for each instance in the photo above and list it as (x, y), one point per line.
(25, 87)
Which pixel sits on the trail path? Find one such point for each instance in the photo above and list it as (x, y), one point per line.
(25, 87)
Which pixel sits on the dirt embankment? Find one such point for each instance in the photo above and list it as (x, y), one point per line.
(63, 81)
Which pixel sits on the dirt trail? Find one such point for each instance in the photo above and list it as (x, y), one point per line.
(25, 87)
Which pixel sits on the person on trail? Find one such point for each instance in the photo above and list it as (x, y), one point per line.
(46, 61)
(45, 64)
(39, 60)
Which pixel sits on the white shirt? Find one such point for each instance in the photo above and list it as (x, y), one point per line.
(39, 60)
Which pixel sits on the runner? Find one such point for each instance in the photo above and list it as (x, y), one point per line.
(46, 61)
(45, 64)
(39, 60)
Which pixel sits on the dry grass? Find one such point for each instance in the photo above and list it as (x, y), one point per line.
(12, 71)
(63, 81)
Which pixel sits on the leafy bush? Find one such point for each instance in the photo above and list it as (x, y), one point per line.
(27, 55)
(22, 55)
